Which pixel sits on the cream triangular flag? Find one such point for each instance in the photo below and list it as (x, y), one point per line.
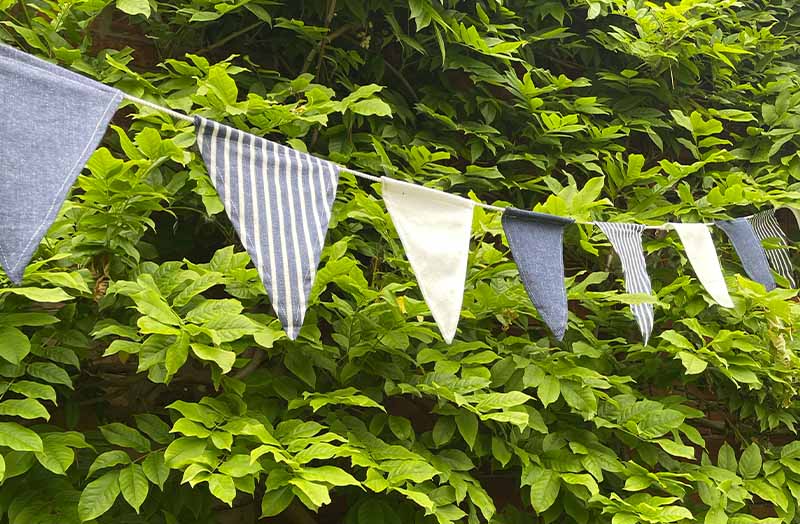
(434, 228)
(702, 254)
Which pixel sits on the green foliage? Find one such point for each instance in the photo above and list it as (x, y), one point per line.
(144, 377)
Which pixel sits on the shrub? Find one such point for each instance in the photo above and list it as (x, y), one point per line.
(146, 379)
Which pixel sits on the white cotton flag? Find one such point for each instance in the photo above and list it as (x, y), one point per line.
(434, 228)
(702, 254)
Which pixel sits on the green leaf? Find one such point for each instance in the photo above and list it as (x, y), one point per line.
(125, 437)
(275, 501)
(222, 487)
(152, 426)
(224, 359)
(49, 372)
(544, 490)
(329, 474)
(183, 450)
(316, 493)
(39, 294)
(34, 390)
(19, 438)
(14, 345)
(692, 363)
(443, 430)
(134, 485)
(155, 469)
(750, 461)
(98, 496)
(726, 458)
(134, 7)
(676, 449)
(26, 408)
(109, 459)
(467, 424)
(150, 303)
(549, 390)
(176, 353)
(55, 456)
(371, 106)
(302, 367)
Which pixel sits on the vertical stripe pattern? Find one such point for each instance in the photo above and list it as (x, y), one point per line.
(765, 225)
(279, 200)
(626, 239)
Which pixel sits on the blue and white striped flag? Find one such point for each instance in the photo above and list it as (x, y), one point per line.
(765, 225)
(627, 242)
(279, 201)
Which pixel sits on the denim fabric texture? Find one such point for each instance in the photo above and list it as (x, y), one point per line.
(537, 244)
(751, 252)
(53, 120)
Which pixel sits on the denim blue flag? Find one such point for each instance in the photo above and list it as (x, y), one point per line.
(279, 200)
(626, 239)
(52, 121)
(765, 225)
(749, 249)
(536, 241)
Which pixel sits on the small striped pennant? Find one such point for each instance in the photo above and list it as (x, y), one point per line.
(766, 225)
(279, 201)
(626, 239)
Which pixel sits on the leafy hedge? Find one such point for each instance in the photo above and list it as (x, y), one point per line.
(146, 379)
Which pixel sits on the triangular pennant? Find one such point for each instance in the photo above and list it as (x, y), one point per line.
(702, 254)
(749, 249)
(279, 200)
(626, 239)
(53, 120)
(765, 225)
(536, 241)
(434, 228)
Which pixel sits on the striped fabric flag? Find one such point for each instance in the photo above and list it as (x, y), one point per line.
(279, 201)
(626, 240)
(750, 251)
(765, 225)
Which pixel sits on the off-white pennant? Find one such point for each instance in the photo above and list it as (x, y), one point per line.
(702, 254)
(434, 228)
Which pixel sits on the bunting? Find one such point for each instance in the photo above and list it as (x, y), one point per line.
(749, 249)
(536, 241)
(702, 255)
(765, 225)
(52, 122)
(279, 200)
(434, 228)
(626, 239)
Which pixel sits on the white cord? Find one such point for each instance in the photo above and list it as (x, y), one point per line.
(151, 105)
(359, 174)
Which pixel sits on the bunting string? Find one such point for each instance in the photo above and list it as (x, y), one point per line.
(279, 200)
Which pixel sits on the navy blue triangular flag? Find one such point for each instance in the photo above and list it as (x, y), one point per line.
(279, 200)
(536, 241)
(749, 249)
(52, 121)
